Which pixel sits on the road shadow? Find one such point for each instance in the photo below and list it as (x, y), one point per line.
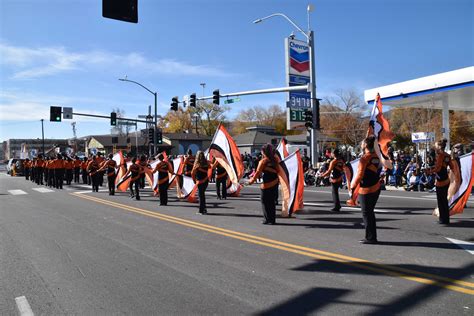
(333, 226)
(336, 218)
(461, 223)
(234, 215)
(306, 302)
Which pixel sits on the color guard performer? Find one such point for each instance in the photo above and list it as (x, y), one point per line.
(368, 176)
(163, 168)
(221, 180)
(77, 169)
(200, 176)
(93, 170)
(335, 170)
(84, 170)
(440, 169)
(267, 167)
(135, 172)
(109, 166)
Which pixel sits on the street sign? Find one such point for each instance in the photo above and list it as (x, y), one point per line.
(125, 123)
(67, 113)
(422, 137)
(297, 72)
(228, 101)
(295, 119)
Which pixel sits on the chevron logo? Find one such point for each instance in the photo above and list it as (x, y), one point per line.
(299, 57)
(300, 67)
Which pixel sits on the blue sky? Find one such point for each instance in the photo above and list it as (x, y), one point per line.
(65, 53)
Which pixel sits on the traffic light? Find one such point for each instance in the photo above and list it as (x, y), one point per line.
(55, 113)
(215, 97)
(113, 119)
(192, 100)
(174, 104)
(150, 135)
(317, 118)
(159, 136)
(308, 118)
(123, 10)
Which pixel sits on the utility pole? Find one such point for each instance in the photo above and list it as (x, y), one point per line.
(42, 133)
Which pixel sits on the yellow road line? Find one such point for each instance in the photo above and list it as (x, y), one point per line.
(412, 275)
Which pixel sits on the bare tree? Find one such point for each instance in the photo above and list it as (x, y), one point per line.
(121, 130)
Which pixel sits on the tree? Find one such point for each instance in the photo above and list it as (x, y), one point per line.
(121, 130)
(176, 121)
(211, 115)
(342, 116)
(274, 115)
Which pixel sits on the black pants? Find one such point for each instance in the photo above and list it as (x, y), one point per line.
(335, 196)
(442, 197)
(76, 174)
(202, 197)
(68, 176)
(267, 198)
(367, 205)
(221, 187)
(95, 179)
(101, 177)
(27, 174)
(142, 181)
(39, 175)
(163, 189)
(84, 176)
(51, 181)
(59, 178)
(111, 182)
(135, 193)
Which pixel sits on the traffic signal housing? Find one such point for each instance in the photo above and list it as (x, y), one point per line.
(113, 119)
(308, 118)
(192, 100)
(317, 118)
(174, 104)
(55, 113)
(151, 131)
(159, 136)
(215, 97)
(123, 10)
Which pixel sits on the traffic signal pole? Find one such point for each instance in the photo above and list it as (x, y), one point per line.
(263, 91)
(314, 101)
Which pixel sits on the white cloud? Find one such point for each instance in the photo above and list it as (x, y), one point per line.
(31, 63)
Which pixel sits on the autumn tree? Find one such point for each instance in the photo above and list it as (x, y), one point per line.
(210, 116)
(342, 116)
(176, 121)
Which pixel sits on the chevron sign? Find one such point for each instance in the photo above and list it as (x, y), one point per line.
(297, 72)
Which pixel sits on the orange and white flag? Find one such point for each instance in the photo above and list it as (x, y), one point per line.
(290, 173)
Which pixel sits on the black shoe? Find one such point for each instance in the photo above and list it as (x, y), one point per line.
(268, 223)
(335, 210)
(368, 241)
(137, 198)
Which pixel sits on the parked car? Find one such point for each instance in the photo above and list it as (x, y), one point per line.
(18, 163)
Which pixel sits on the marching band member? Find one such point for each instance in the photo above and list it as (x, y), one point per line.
(440, 169)
(200, 176)
(109, 166)
(221, 180)
(267, 167)
(163, 168)
(335, 171)
(368, 176)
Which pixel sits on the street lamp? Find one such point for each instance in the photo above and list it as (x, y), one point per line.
(156, 111)
(310, 40)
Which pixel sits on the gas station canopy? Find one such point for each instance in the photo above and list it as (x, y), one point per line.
(454, 89)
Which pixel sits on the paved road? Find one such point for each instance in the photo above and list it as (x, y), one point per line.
(76, 252)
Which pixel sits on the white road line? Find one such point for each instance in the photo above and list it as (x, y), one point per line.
(43, 190)
(17, 192)
(468, 246)
(23, 306)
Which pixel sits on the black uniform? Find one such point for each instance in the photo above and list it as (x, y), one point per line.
(269, 188)
(369, 192)
(92, 169)
(111, 164)
(443, 160)
(163, 169)
(202, 179)
(135, 171)
(221, 182)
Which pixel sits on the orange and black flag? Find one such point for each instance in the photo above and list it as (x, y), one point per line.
(282, 149)
(226, 152)
(380, 128)
(290, 173)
